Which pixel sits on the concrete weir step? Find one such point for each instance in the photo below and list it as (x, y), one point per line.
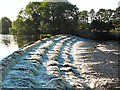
(47, 63)
(54, 62)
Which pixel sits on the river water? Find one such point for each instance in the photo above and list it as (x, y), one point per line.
(11, 43)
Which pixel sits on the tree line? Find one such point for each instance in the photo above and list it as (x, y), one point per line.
(103, 20)
(46, 17)
(62, 17)
(5, 24)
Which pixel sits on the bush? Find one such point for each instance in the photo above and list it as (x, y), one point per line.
(12, 31)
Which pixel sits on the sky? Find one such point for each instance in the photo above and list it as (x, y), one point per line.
(10, 8)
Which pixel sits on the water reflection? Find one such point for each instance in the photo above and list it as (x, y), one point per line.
(11, 43)
(23, 40)
(7, 45)
(6, 40)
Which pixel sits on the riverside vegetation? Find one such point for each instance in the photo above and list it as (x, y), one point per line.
(62, 61)
(60, 18)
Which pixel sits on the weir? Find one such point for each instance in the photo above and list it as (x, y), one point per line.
(55, 62)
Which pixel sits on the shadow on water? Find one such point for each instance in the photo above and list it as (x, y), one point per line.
(6, 41)
(11, 43)
(23, 40)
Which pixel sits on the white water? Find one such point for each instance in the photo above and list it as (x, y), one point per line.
(54, 63)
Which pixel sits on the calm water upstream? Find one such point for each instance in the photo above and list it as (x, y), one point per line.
(11, 43)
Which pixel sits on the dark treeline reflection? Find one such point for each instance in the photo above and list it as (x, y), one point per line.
(23, 40)
(6, 40)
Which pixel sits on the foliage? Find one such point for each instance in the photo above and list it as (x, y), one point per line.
(101, 21)
(28, 20)
(99, 25)
(92, 14)
(60, 17)
(5, 24)
(0, 26)
(46, 17)
(63, 17)
(12, 31)
(116, 19)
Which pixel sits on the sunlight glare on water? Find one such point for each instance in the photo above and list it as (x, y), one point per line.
(7, 45)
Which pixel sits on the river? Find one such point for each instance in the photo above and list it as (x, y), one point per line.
(11, 43)
(72, 61)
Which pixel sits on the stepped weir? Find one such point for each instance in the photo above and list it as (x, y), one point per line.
(62, 61)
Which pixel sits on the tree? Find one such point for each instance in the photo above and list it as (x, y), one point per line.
(49, 17)
(101, 15)
(83, 19)
(34, 15)
(58, 17)
(83, 16)
(108, 15)
(99, 26)
(104, 20)
(5, 24)
(0, 26)
(116, 19)
(28, 20)
(92, 14)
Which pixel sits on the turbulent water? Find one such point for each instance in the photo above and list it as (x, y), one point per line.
(63, 61)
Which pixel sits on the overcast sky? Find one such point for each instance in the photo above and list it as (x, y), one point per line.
(10, 8)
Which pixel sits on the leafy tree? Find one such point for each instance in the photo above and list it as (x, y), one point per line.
(99, 26)
(103, 20)
(101, 15)
(83, 19)
(48, 17)
(108, 15)
(83, 16)
(34, 14)
(92, 14)
(58, 17)
(116, 19)
(5, 24)
(28, 20)
(0, 26)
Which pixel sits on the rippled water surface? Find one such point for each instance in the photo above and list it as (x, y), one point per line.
(7, 45)
(11, 43)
